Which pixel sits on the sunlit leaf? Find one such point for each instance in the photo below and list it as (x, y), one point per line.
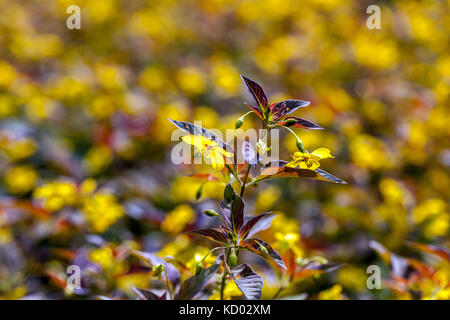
(257, 110)
(199, 131)
(318, 174)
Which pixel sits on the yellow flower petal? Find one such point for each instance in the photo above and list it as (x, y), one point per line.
(322, 153)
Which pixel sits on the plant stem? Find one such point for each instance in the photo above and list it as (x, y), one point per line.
(168, 284)
(222, 284)
(245, 180)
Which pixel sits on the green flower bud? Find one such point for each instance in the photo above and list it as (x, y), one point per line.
(263, 249)
(239, 123)
(300, 146)
(211, 213)
(232, 259)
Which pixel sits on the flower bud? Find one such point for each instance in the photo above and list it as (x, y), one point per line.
(211, 213)
(239, 123)
(300, 146)
(232, 259)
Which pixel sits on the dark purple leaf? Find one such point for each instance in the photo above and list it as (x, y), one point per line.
(299, 123)
(145, 294)
(234, 206)
(288, 106)
(211, 234)
(254, 245)
(257, 92)
(195, 284)
(199, 131)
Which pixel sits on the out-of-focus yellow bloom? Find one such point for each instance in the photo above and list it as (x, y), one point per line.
(40, 108)
(7, 74)
(352, 278)
(306, 160)
(97, 159)
(18, 149)
(209, 149)
(127, 282)
(207, 115)
(88, 187)
(364, 46)
(266, 198)
(394, 192)
(102, 106)
(226, 78)
(428, 209)
(369, 152)
(103, 256)
(20, 179)
(101, 210)
(231, 290)
(110, 77)
(198, 256)
(5, 235)
(36, 46)
(185, 189)
(154, 79)
(55, 195)
(178, 219)
(7, 106)
(191, 80)
(334, 293)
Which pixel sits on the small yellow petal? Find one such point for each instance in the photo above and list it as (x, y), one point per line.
(322, 153)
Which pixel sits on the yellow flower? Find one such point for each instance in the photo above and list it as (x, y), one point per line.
(101, 210)
(209, 149)
(56, 195)
(306, 160)
(178, 219)
(20, 179)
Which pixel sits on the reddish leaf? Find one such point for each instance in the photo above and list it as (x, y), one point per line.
(252, 222)
(211, 234)
(432, 249)
(254, 245)
(257, 92)
(256, 110)
(249, 282)
(299, 123)
(318, 174)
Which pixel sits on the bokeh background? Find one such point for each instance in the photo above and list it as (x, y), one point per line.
(85, 142)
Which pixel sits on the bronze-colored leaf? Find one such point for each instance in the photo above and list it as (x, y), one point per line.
(257, 92)
(263, 249)
(211, 234)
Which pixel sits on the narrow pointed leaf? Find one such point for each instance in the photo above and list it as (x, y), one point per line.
(195, 284)
(234, 205)
(318, 174)
(289, 106)
(199, 131)
(299, 123)
(211, 234)
(254, 245)
(257, 92)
